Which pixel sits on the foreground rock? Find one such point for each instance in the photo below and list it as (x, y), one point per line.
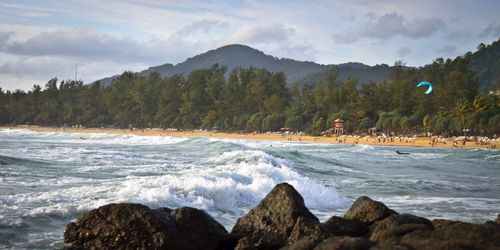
(134, 226)
(399, 224)
(368, 211)
(455, 236)
(281, 218)
(345, 227)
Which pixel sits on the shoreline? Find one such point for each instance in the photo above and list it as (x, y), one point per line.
(414, 142)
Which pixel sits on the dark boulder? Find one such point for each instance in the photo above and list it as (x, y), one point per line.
(398, 225)
(122, 226)
(281, 218)
(498, 219)
(198, 230)
(368, 211)
(134, 226)
(306, 243)
(440, 223)
(455, 235)
(344, 243)
(391, 245)
(345, 227)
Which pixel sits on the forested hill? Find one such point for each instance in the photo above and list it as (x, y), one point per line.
(234, 56)
(486, 63)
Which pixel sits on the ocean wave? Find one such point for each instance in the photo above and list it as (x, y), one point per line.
(241, 177)
(231, 182)
(8, 160)
(93, 138)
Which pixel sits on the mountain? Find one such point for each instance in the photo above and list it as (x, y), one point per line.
(236, 55)
(486, 63)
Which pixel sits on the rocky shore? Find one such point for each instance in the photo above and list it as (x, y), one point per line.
(280, 221)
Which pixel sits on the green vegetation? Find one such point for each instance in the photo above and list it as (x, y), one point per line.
(253, 99)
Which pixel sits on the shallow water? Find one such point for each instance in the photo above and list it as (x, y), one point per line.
(50, 179)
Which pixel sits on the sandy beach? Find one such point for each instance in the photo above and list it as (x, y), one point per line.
(368, 140)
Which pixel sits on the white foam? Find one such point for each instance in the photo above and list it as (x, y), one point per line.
(93, 138)
(241, 177)
(232, 182)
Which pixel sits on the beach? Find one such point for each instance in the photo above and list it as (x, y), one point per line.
(343, 139)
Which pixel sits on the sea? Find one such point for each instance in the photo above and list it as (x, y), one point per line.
(48, 179)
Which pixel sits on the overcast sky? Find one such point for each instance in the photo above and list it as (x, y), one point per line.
(40, 40)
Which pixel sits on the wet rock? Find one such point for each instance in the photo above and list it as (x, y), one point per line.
(398, 225)
(391, 245)
(272, 224)
(198, 230)
(345, 227)
(122, 226)
(368, 211)
(440, 223)
(134, 226)
(455, 236)
(307, 227)
(344, 243)
(306, 243)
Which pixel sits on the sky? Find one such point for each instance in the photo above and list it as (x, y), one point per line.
(40, 40)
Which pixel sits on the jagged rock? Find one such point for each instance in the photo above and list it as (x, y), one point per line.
(307, 227)
(391, 245)
(121, 226)
(498, 219)
(368, 211)
(344, 243)
(397, 225)
(345, 227)
(198, 230)
(439, 223)
(456, 235)
(135, 226)
(306, 243)
(272, 224)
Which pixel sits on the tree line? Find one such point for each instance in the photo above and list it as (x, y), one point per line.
(252, 99)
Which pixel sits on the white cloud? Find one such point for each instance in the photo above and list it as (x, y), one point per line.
(275, 39)
(390, 25)
(262, 34)
(88, 44)
(493, 30)
(4, 37)
(404, 51)
(202, 26)
(447, 49)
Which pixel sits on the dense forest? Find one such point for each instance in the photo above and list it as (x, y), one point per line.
(252, 99)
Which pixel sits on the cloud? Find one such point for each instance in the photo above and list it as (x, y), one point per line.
(262, 34)
(23, 72)
(275, 39)
(201, 26)
(390, 25)
(448, 49)
(78, 43)
(404, 51)
(4, 37)
(88, 44)
(493, 30)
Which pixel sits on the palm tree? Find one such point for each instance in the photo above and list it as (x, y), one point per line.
(478, 106)
(461, 110)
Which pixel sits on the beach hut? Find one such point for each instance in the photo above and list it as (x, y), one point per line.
(338, 126)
